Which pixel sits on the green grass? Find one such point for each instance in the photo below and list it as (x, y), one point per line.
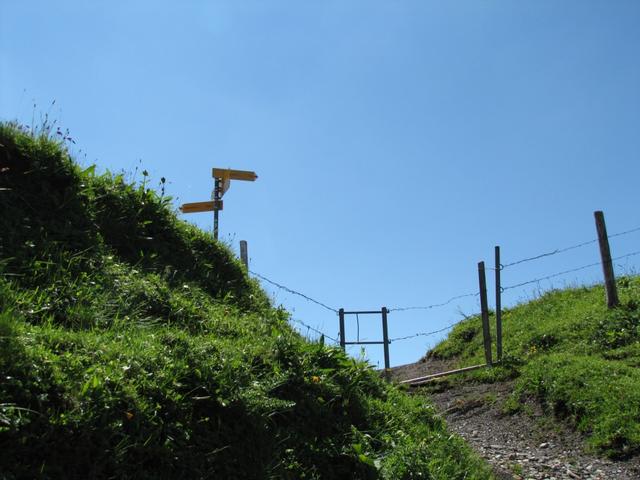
(132, 345)
(579, 359)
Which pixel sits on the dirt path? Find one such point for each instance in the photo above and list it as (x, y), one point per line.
(526, 445)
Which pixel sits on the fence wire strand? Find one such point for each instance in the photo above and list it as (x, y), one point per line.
(435, 305)
(637, 229)
(548, 254)
(423, 334)
(287, 289)
(566, 249)
(536, 280)
(319, 332)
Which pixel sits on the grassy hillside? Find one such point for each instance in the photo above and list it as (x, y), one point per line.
(577, 358)
(132, 345)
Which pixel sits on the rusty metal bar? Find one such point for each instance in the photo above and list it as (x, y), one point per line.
(428, 378)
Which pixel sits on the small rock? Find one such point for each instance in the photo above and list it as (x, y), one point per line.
(543, 445)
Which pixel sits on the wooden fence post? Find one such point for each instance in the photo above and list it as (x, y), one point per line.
(607, 264)
(485, 313)
(244, 254)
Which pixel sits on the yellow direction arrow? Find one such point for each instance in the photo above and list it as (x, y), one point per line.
(228, 174)
(201, 207)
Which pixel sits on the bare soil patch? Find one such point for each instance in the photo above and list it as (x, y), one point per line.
(525, 445)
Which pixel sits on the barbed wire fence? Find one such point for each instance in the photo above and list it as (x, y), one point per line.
(502, 267)
(305, 297)
(294, 292)
(565, 272)
(313, 329)
(566, 249)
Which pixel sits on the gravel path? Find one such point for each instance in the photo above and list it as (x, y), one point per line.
(527, 445)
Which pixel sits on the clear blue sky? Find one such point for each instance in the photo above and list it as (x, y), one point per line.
(396, 142)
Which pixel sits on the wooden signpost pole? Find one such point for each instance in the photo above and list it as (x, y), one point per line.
(216, 199)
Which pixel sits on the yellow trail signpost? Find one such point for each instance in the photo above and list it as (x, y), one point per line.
(222, 181)
(200, 207)
(227, 173)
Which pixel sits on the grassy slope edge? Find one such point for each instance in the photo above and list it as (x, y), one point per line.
(132, 345)
(576, 357)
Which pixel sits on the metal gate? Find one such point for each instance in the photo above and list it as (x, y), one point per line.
(385, 333)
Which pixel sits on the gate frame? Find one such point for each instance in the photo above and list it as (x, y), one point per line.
(385, 334)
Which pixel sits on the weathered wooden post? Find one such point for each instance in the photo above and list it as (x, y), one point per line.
(244, 254)
(498, 306)
(607, 264)
(484, 313)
